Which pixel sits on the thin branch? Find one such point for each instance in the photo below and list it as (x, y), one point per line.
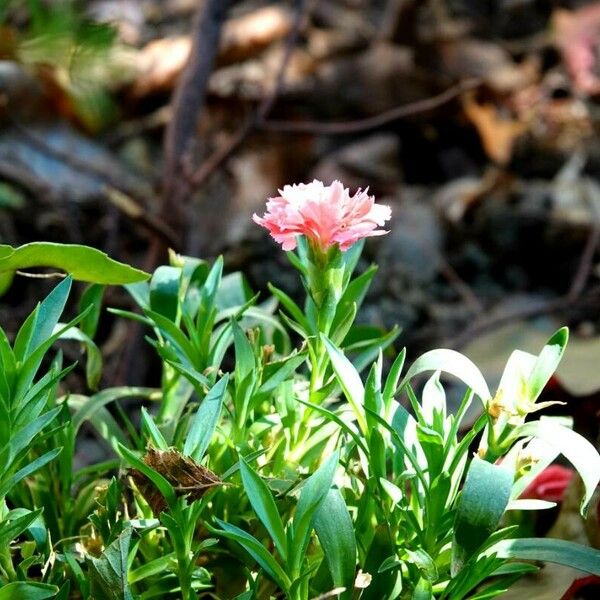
(384, 118)
(136, 212)
(210, 165)
(213, 162)
(188, 100)
(190, 92)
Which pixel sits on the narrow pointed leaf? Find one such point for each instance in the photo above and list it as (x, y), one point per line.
(205, 421)
(264, 506)
(335, 531)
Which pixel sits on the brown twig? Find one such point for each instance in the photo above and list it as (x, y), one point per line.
(188, 99)
(131, 208)
(384, 118)
(213, 162)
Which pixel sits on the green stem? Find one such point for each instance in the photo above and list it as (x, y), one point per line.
(317, 371)
(297, 594)
(6, 563)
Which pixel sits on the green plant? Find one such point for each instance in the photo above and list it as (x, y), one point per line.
(276, 459)
(80, 55)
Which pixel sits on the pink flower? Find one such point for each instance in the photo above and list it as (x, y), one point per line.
(550, 484)
(326, 214)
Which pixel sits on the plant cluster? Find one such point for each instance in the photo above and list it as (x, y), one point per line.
(278, 458)
(76, 59)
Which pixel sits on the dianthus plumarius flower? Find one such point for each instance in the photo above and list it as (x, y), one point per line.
(325, 214)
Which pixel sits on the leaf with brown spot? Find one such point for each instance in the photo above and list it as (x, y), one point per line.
(187, 477)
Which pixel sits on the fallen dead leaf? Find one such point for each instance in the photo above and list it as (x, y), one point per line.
(498, 134)
(187, 477)
(160, 62)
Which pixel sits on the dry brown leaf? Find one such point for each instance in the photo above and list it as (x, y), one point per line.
(247, 35)
(187, 477)
(498, 135)
(160, 62)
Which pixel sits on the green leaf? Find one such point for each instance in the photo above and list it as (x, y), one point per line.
(423, 590)
(244, 356)
(424, 563)
(313, 492)
(341, 422)
(547, 362)
(81, 262)
(386, 585)
(349, 381)
(92, 296)
(258, 552)
(450, 361)
(11, 529)
(31, 365)
(482, 503)
(391, 383)
(434, 403)
(153, 567)
(93, 365)
(292, 308)
(156, 437)
(164, 291)
(573, 446)
(108, 574)
(184, 348)
(275, 373)
(198, 380)
(264, 506)
(21, 590)
(27, 470)
(335, 531)
(87, 409)
(101, 420)
(562, 552)
(205, 421)
(41, 322)
(23, 438)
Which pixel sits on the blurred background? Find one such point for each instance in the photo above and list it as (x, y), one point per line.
(141, 125)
